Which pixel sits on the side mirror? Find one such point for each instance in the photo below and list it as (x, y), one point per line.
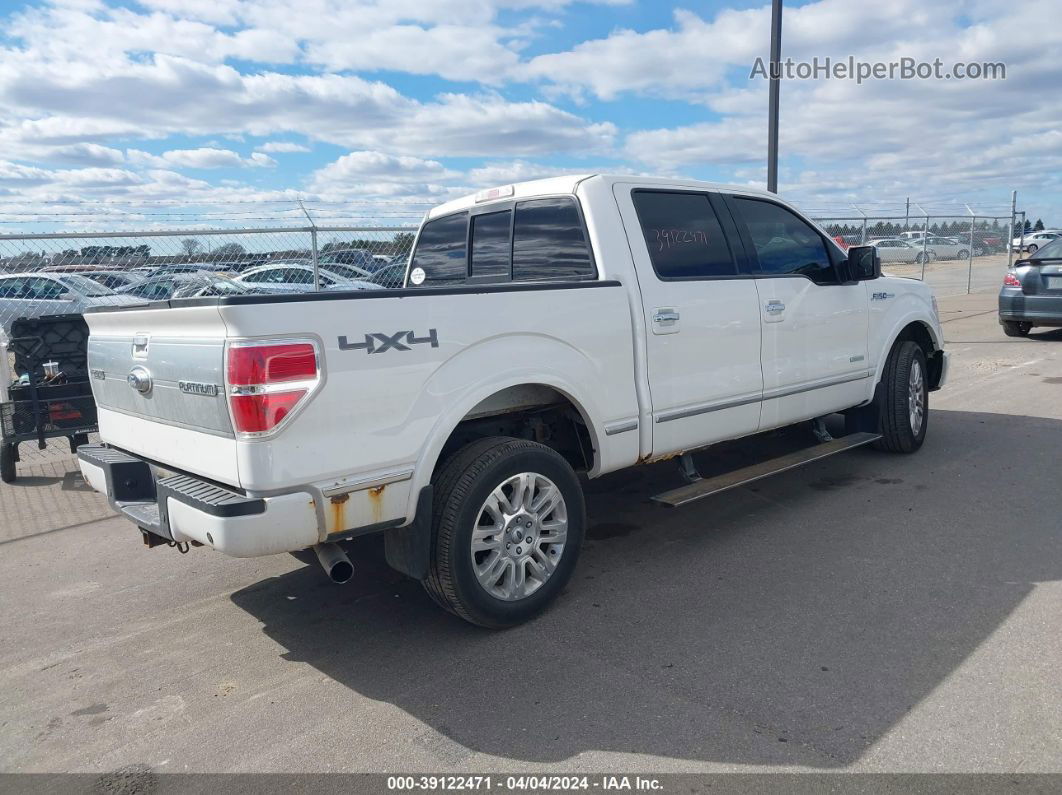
(864, 264)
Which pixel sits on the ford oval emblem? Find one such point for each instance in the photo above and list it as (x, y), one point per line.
(140, 380)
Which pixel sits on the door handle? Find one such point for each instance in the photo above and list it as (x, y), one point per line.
(666, 316)
(774, 306)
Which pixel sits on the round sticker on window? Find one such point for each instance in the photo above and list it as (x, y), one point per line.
(416, 276)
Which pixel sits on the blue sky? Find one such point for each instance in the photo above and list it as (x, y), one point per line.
(233, 109)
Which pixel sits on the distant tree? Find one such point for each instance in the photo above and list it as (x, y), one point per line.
(1038, 226)
(191, 246)
(227, 251)
(1028, 226)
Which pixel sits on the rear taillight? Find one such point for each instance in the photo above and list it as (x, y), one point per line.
(1010, 280)
(267, 382)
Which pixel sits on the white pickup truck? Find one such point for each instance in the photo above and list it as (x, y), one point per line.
(574, 324)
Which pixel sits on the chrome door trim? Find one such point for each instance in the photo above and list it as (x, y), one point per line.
(371, 482)
(781, 392)
(704, 408)
(622, 426)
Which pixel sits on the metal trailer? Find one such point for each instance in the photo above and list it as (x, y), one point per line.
(53, 396)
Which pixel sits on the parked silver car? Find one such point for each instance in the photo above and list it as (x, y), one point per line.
(893, 250)
(288, 277)
(1031, 295)
(185, 285)
(37, 294)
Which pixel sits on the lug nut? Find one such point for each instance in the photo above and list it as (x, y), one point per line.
(519, 551)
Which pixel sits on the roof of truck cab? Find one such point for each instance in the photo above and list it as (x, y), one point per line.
(553, 186)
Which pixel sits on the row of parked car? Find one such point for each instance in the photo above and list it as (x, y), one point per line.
(67, 289)
(917, 247)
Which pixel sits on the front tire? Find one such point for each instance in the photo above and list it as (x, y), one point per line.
(903, 400)
(507, 524)
(963, 254)
(1016, 328)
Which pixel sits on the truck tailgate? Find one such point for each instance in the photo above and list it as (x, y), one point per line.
(158, 380)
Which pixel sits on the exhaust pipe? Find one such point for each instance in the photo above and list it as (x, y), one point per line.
(335, 562)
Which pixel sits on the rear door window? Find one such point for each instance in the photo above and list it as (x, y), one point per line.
(441, 250)
(549, 241)
(683, 235)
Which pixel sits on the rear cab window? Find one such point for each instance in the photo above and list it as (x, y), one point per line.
(441, 252)
(528, 240)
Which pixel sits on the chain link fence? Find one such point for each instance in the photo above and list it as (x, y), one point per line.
(63, 272)
(954, 254)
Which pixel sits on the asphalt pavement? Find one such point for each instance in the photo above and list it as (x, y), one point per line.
(870, 612)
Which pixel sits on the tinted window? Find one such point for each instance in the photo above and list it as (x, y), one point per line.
(441, 250)
(783, 242)
(490, 245)
(548, 241)
(683, 235)
(299, 276)
(10, 288)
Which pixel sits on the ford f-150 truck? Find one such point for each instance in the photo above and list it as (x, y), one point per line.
(573, 324)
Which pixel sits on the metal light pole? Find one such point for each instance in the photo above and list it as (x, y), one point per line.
(772, 102)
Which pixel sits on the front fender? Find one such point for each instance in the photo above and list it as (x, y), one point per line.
(890, 321)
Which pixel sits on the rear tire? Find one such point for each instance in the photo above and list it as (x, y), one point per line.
(1016, 328)
(1032, 249)
(507, 524)
(903, 399)
(7, 463)
(963, 254)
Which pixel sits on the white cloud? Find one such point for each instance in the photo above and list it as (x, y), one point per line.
(367, 166)
(202, 158)
(172, 95)
(281, 147)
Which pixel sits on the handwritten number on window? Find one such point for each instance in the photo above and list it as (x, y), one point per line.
(669, 238)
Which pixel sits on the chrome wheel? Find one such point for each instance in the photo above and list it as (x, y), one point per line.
(519, 536)
(916, 397)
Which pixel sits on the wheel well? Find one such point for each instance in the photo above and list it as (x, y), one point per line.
(530, 411)
(918, 333)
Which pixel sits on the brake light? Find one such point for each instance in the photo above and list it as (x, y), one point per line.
(267, 382)
(271, 363)
(1010, 280)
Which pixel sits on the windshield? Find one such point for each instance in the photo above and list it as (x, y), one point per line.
(1052, 250)
(85, 286)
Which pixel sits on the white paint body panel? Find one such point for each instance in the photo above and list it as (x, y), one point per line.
(384, 418)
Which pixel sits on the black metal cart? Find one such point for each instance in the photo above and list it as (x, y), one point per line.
(53, 397)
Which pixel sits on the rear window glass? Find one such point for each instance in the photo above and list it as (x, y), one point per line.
(490, 245)
(548, 241)
(440, 250)
(683, 235)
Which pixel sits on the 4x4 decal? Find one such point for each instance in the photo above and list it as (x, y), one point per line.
(377, 342)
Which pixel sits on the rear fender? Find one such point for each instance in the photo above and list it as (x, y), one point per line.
(484, 369)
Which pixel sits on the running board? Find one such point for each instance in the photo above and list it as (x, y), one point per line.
(739, 477)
